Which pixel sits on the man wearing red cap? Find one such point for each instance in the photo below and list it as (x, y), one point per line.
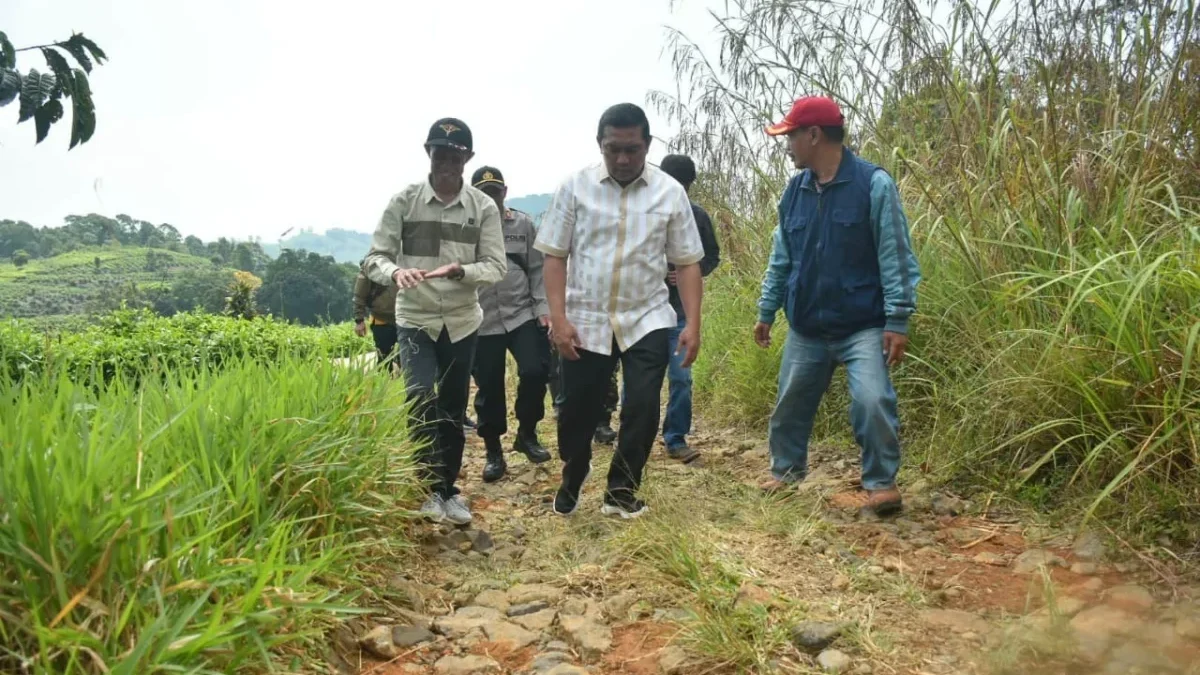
(843, 270)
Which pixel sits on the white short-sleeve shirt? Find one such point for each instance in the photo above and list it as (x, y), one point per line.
(617, 242)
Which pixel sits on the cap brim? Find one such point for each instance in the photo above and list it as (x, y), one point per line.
(445, 142)
(485, 183)
(780, 129)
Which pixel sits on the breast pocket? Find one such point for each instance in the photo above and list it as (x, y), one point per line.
(795, 229)
(852, 234)
(421, 238)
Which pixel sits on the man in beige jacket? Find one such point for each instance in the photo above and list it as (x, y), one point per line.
(438, 242)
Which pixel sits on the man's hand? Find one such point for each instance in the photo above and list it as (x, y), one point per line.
(360, 329)
(673, 278)
(448, 271)
(565, 338)
(408, 278)
(689, 344)
(544, 321)
(894, 345)
(762, 334)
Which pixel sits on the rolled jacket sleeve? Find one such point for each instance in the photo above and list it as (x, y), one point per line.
(380, 263)
(898, 268)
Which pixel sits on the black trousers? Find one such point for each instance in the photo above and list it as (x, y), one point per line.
(530, 347)
(385, 342)
(437, 377)
(610, 397)
(585, 389)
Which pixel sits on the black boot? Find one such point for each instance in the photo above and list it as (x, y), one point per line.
(494, 468)
(527, 443)
(605, 434)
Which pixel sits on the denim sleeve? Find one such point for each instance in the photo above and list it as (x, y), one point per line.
(898, 268)
(779, 266)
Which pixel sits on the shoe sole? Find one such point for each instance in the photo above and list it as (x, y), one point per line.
(458, 521)
(581, 484)
(611, 510)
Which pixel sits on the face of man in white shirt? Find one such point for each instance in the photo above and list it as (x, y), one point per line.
(624, 150)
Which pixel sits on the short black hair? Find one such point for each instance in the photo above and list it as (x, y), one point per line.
(835, 134)
(679, 167)
(623, 116)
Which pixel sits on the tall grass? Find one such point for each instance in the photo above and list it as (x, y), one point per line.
(1049, 162)
(204, 521)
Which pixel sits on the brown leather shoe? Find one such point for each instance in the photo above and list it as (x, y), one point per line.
(883, 502)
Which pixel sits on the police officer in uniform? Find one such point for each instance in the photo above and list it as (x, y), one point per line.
(515, 317)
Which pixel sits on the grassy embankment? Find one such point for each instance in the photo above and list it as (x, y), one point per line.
(195, 494)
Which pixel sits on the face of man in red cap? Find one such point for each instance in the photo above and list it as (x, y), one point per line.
(804, 125)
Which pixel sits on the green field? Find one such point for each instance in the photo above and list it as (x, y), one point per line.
(73, 283)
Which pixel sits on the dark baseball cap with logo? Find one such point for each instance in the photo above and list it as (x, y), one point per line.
(487, 175)
(450, 132)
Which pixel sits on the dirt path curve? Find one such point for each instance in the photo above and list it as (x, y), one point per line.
(720, 579)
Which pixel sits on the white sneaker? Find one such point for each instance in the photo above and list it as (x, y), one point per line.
(457, 511)
(434, 508)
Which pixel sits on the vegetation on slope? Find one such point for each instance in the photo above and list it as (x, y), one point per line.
(198, 519)
(1049, 163)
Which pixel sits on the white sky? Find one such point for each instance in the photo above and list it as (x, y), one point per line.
(244, 118)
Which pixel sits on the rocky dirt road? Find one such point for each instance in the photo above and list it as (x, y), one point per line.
(720, 579)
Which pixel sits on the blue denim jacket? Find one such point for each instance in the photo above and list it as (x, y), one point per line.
(842, 259)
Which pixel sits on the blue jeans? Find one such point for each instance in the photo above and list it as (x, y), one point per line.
(678, 421)
(804, 375)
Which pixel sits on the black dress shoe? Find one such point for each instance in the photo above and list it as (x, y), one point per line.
(495, 466)
(605, 434)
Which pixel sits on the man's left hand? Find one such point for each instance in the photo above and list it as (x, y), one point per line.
(894, 345)
(673, 278)
(689, 344)
(544, 321)
(448, 271)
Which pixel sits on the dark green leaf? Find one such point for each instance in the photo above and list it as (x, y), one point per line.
(83, 117)
(10, 86)
(76, 49)
(8, 55)
(62, 70)
(92, 47)
(46, 115)
(31, 95)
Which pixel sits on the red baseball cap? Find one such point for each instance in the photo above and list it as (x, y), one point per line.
(809, 111)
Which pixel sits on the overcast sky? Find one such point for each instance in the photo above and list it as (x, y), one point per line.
(243, 118)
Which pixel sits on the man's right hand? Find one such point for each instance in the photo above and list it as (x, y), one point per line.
(762, 334)
(360, 329)
(565, 338)
(408, 278)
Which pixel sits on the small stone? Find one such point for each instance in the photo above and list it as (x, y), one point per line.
(538, 621)
(840, 582)
(464, 620)
(527, 608)
(970, 636)
(672, 661)
(1032, 560)
(525, 593)
(944, 505)
(1065, 606)
(1085, 568)
(1089, 547)
(862, 669)
(833, 661)
(875, 569)
(617, 607)
(511, 633)
(963, 535)
(956, 620)
(813, 636)
(592, 638)
(1132, 599)
(410, 636)
(497, 600)
(1188, 628)
(549, 660)
(926, 551)
(378, 642)
(895, 565)
(1090, 586)
(518, 532)
(558, 646)
(567, 669)
(989, 558)
(817, 544)
(752, 594)
(465, 665)
(482, 541)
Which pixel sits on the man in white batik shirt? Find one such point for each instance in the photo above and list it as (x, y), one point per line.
(619, 222)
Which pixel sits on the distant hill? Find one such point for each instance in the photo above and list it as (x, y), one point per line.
(351, 245)
(94, 279)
